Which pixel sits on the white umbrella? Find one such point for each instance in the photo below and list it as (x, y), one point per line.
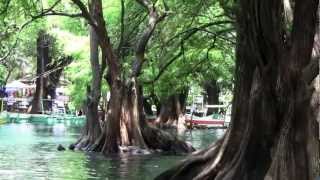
(17, 85)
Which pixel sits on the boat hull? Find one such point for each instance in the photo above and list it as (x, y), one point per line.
(199, 122)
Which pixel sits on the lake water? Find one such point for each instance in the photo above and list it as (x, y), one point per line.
(28, 152)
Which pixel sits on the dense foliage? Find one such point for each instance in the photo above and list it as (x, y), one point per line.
(193, 44)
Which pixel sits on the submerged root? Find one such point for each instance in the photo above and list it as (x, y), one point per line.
(82, 142)
(158, 139)
(85, 143)
(192, 166)
(97, 145)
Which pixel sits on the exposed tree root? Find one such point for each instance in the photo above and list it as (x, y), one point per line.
(155, 139)
(158, 139)
(249, 151)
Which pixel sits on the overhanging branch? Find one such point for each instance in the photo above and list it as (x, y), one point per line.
(193, 30)
(2, 59)
(50, 12)
(85, 13)
(165, 67)
(154, 19)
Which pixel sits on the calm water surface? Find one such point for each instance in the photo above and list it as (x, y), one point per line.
(28, 151)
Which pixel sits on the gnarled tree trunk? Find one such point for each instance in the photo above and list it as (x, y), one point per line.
(124, 120)
(140, 133)
(273, 134)
(172, 110)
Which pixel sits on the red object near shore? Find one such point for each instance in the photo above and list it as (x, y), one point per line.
(207, 121)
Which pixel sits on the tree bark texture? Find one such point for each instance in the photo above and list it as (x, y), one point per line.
(43, 59)
(48, 73)
(172, 110)
(124, 123)
(93, 129)
(212, 94)
(273, 134)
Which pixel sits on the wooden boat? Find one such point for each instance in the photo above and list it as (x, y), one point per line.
(207, 121)
(210, 121)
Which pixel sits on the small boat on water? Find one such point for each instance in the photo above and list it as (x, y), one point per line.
(216, 120)
(207, 121)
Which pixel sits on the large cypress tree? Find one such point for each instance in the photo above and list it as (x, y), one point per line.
(274, 132)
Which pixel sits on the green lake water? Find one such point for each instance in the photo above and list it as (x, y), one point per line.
(28, 152)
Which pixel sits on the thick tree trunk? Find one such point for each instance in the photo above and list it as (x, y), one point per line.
(124, 120)
(169, 112)
(151, 137)
(314, 130)
(126, 125)
(172, 111)
(212, 94)
(48, 74)
(35, 105)
(273, 133)
(92, 130)
(43, 58)
(112, 129)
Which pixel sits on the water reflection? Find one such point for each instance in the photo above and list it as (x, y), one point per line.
(28, 151)
(202, 138)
